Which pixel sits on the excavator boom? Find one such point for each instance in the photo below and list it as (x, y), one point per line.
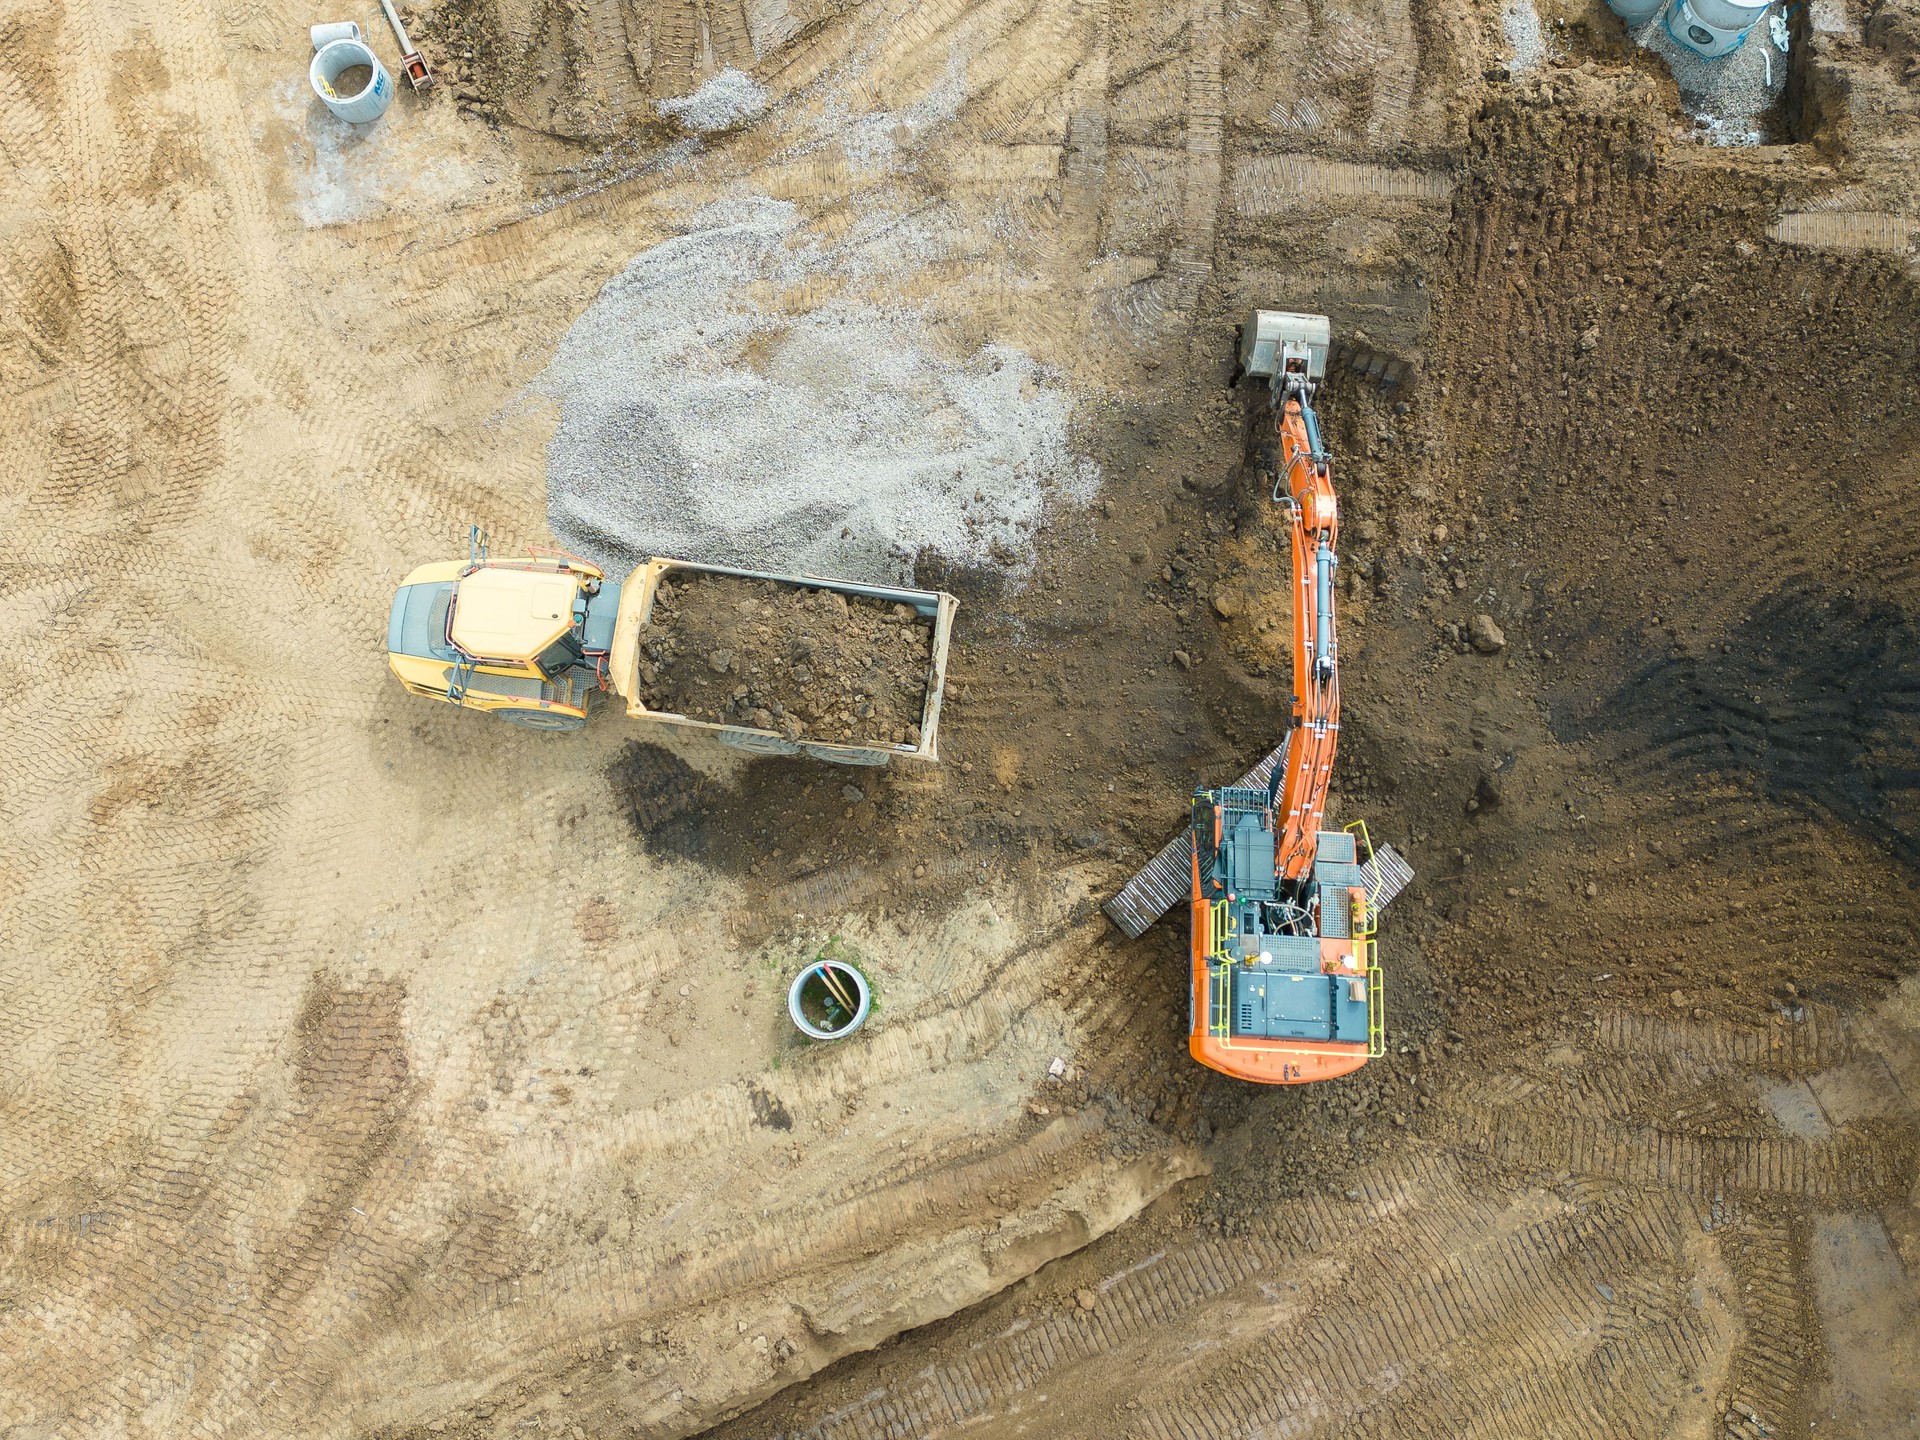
(1305, 484)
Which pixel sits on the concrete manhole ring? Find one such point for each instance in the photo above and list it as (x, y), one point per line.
(829, 1000)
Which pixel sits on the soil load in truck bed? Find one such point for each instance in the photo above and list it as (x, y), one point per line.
(807, 664)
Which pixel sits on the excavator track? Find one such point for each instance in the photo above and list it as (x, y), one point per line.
(1167, 879)
(1385, 875)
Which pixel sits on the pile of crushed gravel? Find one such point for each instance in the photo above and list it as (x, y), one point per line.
(729, 98)
(700, 418)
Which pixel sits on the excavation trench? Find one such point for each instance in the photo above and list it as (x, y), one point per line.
(1665, 838)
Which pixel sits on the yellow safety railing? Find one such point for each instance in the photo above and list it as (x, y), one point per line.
(1358, 829)
(1364, 920)
(1376, 1004)
(1220, 969)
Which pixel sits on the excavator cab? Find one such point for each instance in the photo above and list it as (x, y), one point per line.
(1286, 980)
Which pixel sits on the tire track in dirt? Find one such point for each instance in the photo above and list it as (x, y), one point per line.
(1850, 230)
(1192, 259)
(1083, 185)
(112, 472)
(1552, 1307)
(1435, 1299)
(331, 1239)
(676, 36)
(1273, 184)
(1817, 1041)
(1768, 1381)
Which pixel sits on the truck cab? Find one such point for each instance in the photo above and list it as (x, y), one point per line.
(526, 639)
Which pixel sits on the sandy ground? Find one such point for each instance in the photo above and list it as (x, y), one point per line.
(370, 1070)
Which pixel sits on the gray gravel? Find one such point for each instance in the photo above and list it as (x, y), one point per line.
(729, 98)
(700, 418)
(1526, 45)
(1727, 97)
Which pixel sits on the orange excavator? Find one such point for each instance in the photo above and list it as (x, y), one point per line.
(1286, 980)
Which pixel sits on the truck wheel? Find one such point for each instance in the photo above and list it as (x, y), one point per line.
(541, 719)
(841, 757)
(758, 744)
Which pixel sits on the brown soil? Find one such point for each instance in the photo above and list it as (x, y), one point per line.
(1666, 838)
(581, 72)
(379, 1071)
(351, 81)
(808, 664)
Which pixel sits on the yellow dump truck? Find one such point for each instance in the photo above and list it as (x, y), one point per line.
(536, 640)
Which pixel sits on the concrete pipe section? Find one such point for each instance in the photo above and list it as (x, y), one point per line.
(350, 81)
(829, 1000)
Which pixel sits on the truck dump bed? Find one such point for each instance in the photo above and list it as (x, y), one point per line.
(742, 667)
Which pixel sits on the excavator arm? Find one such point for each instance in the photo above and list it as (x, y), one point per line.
(1304, 484)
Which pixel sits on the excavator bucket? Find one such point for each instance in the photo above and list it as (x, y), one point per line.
(1273, 337)
(1274, 341)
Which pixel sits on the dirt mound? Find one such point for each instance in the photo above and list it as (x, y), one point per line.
(810, 664)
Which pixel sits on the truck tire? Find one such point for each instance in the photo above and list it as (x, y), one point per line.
(841, 757)
(542, 719)
(758, 744)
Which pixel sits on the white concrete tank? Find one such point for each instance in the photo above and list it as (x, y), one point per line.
(1636, 12)
(829, 1000)
(1713, 28)
(369, 100)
